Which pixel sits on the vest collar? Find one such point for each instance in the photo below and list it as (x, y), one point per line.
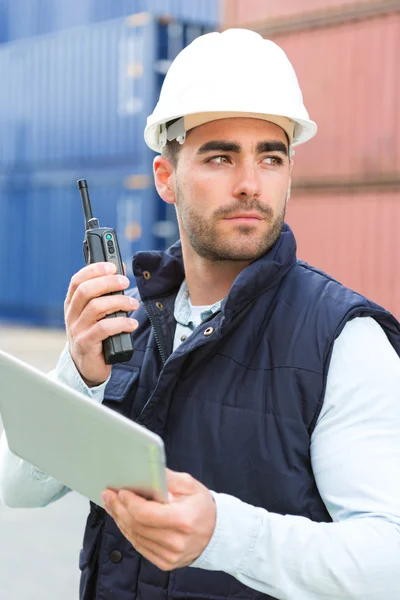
(161, 273)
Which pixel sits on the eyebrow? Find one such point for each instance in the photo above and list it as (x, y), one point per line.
(275, 146)
(224, 146)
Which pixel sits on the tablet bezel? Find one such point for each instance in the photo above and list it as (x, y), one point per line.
(75, 440)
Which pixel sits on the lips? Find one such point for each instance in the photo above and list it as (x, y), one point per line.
(245, 216)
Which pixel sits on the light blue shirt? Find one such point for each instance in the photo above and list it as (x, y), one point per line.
(355, 455)
(188, 317)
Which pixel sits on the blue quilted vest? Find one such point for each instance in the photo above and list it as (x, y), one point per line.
(236, 408)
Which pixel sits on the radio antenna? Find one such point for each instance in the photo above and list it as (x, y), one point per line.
(90, 222)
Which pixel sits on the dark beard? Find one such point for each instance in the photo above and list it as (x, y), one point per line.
(204, 239)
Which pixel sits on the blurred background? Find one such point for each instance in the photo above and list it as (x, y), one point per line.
(345, 206)
(78, 79)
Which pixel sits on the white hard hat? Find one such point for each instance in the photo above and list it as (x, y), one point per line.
(235, 73)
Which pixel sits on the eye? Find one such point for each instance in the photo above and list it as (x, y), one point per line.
(221, 159)
(274, 161)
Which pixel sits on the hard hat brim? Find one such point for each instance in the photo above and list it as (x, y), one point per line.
(298, 130)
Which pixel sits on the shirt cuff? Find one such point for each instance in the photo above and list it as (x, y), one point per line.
(67, 373)
(236, 530)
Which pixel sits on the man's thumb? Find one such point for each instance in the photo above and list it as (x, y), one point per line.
(180, 484)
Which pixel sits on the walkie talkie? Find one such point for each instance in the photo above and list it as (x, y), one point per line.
(101, 245)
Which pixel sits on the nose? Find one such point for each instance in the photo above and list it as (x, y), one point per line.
(247, 184)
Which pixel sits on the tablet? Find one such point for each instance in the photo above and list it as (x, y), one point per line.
(84, 445)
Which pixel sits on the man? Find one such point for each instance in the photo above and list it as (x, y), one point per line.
(271, 384)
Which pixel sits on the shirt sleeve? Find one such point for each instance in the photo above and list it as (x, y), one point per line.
(355, 454)
(21, 484)
(67, 373)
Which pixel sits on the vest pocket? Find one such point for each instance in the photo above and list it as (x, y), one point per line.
(94, 524)
(88, 556)
(124, 392)
(122, 382)
(196, 584)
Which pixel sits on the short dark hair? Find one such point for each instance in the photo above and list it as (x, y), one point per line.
(171, 151)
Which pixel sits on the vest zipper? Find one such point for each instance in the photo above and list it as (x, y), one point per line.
(164, 358)
(160, 349)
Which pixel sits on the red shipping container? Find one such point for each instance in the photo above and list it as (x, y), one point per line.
(354, 238)
(351, 87)
(345, 55)
(239, 12)
(350, 82)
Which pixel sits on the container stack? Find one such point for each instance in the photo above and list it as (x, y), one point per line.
(74, 105)
(345, 206)
(28, 18)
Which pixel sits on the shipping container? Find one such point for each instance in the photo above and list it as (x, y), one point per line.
(270, 16)
(84, 94)
(354, 238)
(349, 78)
(27, 18)
(238, 13)
(42, 227)
(345, 205)
(76, 107)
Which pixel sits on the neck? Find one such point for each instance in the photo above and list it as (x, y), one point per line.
(209, 281)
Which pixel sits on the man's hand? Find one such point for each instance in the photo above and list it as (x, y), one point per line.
(85, 307)
(169, 535)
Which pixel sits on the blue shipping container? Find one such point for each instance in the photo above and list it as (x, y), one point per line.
(27, 18)
(84, 94)
(76, 107)
(44, 213)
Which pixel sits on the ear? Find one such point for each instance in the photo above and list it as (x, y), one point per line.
(164, 178)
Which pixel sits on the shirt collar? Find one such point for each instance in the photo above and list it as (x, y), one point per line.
(182, 312)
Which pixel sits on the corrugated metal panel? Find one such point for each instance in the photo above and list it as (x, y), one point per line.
(85, 93)
(76, 107)
(27, 18)
(240, 12)
(270, 18)
(354, 238)
(349, 79)
(4, 35)
(348, 74)
(43, 211)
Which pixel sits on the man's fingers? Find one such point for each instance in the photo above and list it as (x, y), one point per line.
(165, 552)
(164, 539)
(89, 272)
(98, 308)
(93, 288)
(163, 557)
(115, 508)
(146, 512)
(154, 514)
(152, 552)
(181, 484)
(105, 328)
